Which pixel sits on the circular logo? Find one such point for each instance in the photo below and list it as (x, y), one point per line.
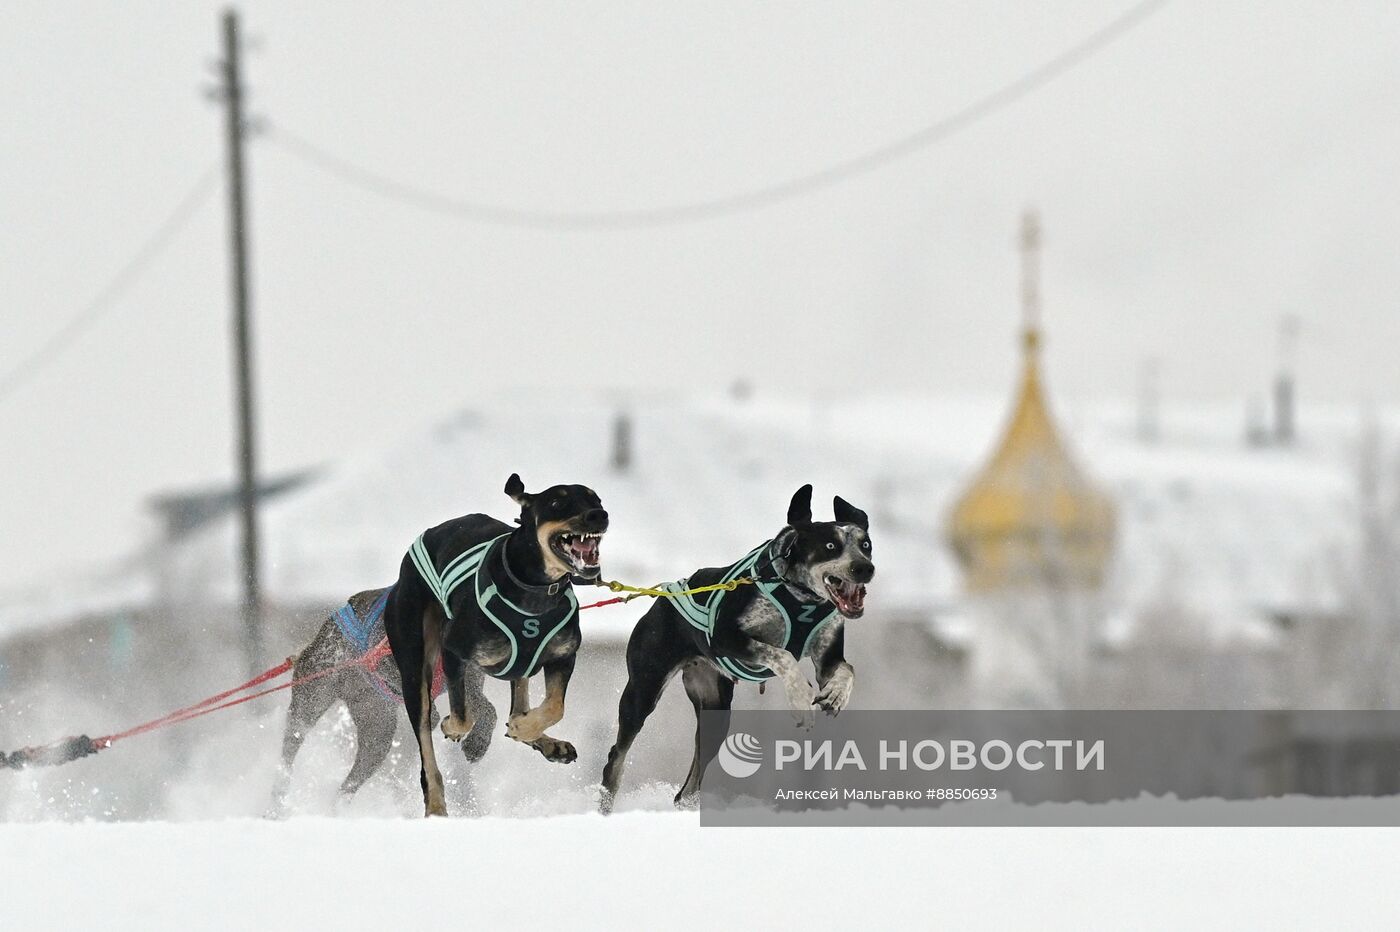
(740, 755)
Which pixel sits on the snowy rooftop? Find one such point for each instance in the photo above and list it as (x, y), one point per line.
(1226, 531)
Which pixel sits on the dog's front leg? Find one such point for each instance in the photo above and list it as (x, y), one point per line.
(519, 700)
(835, 692)
(528, 724)
(835, 677)
(799, 692)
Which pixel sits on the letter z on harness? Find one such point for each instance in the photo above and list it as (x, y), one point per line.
(479, 569)
(802, 619)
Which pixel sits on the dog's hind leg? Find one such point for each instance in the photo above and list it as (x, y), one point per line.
(709, 691)
(374, 736)
(309, 702)
(653, 656)
(638, 701)
(431, 776)
(414, 628)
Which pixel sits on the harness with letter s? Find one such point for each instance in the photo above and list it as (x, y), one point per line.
(528, 632)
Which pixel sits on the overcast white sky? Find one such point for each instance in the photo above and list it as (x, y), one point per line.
(1223, 164)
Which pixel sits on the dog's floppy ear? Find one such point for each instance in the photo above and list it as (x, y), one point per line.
(800, 509)
(846, 513)
(516, 490)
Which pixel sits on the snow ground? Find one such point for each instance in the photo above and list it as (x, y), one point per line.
(653, 870)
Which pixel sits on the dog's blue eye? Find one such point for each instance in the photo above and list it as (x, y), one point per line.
(865, 545)
(830, 546)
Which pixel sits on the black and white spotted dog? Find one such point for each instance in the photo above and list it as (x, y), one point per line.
(807, 581)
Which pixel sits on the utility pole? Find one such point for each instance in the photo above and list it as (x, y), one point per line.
(1285, 392)
(1149, 400)
(242, 345)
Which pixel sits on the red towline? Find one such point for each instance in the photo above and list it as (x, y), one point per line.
(78, 746)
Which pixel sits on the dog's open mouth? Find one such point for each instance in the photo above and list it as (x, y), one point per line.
(849, 597)
(579, 550)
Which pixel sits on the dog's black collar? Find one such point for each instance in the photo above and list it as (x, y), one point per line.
(816, 596)
(548, 588)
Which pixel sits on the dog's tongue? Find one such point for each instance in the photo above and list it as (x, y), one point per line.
(585, 550)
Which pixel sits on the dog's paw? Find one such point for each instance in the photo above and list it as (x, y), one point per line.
(527, 728)
(559, 752)
(801, 698)
(475, 746)
(455, 729)
(835, 695)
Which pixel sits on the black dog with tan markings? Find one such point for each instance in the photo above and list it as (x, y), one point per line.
(481, 599)
(790, 599)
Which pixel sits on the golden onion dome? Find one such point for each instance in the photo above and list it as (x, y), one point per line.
(1031, 515)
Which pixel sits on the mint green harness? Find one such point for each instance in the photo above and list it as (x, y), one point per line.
(527, 632)
(801, 620)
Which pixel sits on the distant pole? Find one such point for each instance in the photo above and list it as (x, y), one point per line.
(1149, 400)
(242, 346)
(1285, 392)
(622, 442)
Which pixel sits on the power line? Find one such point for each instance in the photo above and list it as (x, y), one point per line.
(923, 138)
(119, 284)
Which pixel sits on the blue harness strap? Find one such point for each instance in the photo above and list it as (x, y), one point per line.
(361, 630)
(802, 620)
(364, 632)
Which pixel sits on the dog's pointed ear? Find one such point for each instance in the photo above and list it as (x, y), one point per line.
(800, 509)
(846, 513)
(516, 490)
(782, 549)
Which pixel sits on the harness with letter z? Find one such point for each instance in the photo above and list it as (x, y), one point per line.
(802, 619)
